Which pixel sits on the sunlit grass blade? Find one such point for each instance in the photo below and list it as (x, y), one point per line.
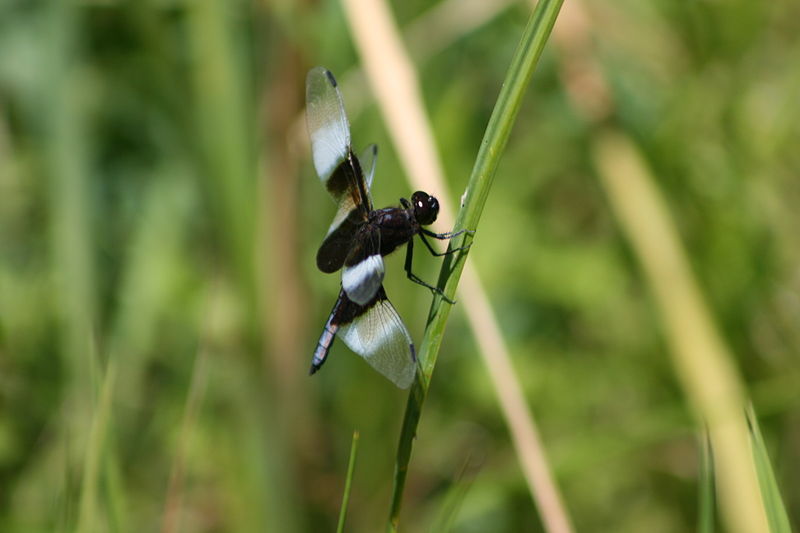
(706, 368)
(351, 466)
(770, 492)
(497, 132)
(706, 489)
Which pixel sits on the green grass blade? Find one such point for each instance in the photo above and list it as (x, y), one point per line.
(497, 132)
(351, 466)
(770, 493)
(707, 504)
(225, 133)
(96, 451)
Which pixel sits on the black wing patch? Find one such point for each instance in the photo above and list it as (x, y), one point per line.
(336, 246)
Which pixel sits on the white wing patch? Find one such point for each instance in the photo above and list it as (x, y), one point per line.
(362, 280)
(327, 122)
(328, 152)
(380, 337)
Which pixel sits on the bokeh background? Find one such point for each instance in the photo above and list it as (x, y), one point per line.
(159, 301)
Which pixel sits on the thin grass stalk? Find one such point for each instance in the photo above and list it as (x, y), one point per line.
(351, 466)
(509, 101)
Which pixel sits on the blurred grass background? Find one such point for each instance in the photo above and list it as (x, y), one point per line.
(159, 302)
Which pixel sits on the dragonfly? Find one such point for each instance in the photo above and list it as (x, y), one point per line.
(360, 236)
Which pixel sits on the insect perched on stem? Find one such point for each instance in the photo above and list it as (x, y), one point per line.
(360, 237)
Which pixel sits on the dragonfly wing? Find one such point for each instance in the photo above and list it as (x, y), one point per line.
(327, 122)
(380, 337)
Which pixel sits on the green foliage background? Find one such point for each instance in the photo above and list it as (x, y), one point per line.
(159, 218)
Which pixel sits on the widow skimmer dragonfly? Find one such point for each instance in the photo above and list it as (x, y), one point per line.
(359, 237)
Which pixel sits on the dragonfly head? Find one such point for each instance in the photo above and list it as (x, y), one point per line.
(425, 206)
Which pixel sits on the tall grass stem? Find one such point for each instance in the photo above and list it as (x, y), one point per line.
(496, 136)
(351, 466)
